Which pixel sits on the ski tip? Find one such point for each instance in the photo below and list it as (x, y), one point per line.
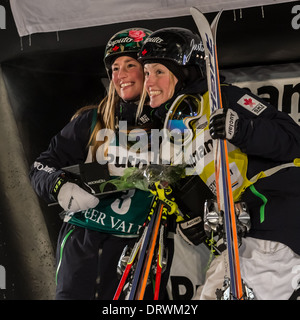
(194, 10)
(215, 23)
(217, 17)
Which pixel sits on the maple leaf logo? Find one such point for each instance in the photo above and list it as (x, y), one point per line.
(144, 52)
(116, 48)
(249, 102)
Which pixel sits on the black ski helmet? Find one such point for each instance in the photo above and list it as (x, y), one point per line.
(127, 42)
(179, 49)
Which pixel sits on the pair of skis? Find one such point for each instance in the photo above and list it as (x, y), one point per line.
(142, 254)
(222, 170)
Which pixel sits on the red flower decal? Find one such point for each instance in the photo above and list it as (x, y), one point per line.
(136, 35)
(144, 52)
(116, 48)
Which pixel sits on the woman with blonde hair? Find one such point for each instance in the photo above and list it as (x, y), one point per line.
(92, 225)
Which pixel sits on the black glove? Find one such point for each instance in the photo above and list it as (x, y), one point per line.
(190, 194)
(223, 124)
(192, 231)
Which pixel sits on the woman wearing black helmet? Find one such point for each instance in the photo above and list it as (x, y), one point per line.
(263, 151)
(94, 226)
(174, 68)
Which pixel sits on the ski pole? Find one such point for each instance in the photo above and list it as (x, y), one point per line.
(148, 261)
(159, 258)
(143, 249)
(129, 265)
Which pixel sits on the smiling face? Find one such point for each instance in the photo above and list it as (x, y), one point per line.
(159, 83)
(128, 78)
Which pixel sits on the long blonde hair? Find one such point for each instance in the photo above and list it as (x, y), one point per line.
(105, 117)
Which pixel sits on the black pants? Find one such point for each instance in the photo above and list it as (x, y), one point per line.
(79, 264)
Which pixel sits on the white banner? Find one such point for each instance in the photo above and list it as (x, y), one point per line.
(32, 16)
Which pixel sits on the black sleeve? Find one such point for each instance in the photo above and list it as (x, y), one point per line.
(68, 147)
(270, 134)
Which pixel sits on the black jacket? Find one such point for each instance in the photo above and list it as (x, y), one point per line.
(269, 139)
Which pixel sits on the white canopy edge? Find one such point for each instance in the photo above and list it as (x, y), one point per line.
(34, 16)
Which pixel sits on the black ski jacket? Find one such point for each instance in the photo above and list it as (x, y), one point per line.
(270, 138)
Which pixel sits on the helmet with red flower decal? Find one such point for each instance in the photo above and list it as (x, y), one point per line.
(127, 42)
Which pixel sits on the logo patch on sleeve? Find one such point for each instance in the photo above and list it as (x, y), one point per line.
(252, 104)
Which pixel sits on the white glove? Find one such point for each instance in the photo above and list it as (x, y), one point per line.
(73, 198)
